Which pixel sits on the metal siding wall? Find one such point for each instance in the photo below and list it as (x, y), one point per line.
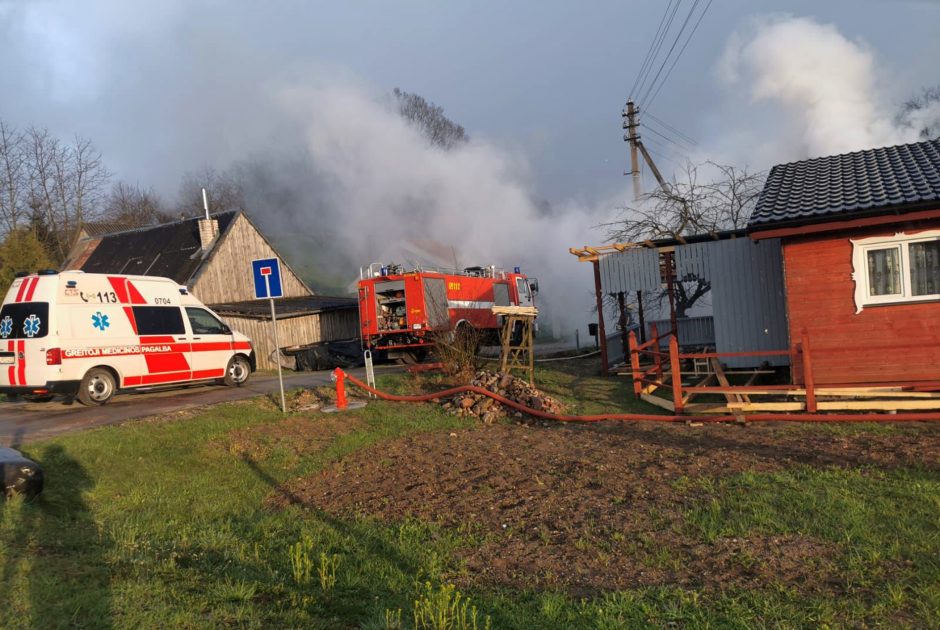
(693, 331)
(630, 270)
(692, 260)
(748, 299)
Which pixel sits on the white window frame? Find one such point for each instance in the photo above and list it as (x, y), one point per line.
(900, 241)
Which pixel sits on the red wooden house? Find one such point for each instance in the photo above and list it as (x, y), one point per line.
(860, 234)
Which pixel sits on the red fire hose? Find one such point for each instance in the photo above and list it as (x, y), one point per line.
(339, 375)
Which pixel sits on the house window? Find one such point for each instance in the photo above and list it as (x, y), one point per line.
(896, 269)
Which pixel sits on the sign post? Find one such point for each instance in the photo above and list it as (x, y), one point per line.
(267, 279)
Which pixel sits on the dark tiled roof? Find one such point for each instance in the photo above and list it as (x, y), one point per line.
(171, 250)
(864, 183)
(286, 307)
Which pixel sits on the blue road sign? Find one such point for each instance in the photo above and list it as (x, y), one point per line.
(267, 276)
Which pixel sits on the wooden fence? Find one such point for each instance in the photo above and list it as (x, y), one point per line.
(653, 368)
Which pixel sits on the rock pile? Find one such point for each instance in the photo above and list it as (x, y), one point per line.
(506, 385)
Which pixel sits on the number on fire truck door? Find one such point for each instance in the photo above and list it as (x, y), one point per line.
(522, 287)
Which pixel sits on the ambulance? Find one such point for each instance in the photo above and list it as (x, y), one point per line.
(91, 335)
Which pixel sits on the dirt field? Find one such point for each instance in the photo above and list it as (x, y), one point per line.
(601, 507)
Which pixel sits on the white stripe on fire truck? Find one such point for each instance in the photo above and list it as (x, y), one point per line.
(469, 304)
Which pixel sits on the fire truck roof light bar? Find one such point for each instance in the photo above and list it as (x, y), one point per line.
(376, 270)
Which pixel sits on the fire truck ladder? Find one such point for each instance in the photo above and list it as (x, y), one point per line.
(517, 339)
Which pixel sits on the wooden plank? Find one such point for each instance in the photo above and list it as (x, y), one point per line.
(515, 310)
(701, 383)
(659, 402)
(723, 380)
(878, 405)
(702, 408)
(765, 406)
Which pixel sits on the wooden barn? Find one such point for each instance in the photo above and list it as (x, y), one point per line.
(860, 234)
(212, 258)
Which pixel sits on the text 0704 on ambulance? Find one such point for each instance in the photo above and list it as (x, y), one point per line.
(92, 335)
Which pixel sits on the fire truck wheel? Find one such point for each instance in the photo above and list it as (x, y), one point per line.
(237, 372)
(97, 387)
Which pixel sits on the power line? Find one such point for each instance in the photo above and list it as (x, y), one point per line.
(658, 44)
(669, 127)
(666, 138)
(695, 28)
(669, 54)
(649, 50)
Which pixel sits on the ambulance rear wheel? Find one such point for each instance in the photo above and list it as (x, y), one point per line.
(237, 372)
(97, 387)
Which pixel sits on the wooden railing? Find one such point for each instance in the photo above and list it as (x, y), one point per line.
(644, 383)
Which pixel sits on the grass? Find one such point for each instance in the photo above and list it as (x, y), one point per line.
(158, 524)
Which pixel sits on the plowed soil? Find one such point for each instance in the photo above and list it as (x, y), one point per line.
(600, 507)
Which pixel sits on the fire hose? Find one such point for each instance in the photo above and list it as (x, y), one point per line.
(340, 376)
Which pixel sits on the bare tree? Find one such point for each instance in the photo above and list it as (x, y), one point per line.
(430, 120)
(922, 112)
(689, 206)
(134, 207)
(14, 179)
(66, 185)
(224, 192)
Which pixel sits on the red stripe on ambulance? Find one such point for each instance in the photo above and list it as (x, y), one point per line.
(130, 317)
(120, 288)
(134, 294)
(11, 347)
(166, 362)
(22, 289)
(31, 290)
(22, 360)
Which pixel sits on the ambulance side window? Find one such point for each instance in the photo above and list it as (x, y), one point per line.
(204, 323)
(159, 320)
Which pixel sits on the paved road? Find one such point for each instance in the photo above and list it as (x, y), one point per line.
(22, 422)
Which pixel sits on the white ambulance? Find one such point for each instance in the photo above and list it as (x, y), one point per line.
(90, 335)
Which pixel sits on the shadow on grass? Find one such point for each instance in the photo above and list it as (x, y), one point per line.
(53, 572)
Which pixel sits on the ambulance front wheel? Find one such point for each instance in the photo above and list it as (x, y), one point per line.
(237, 372)
(97, 387)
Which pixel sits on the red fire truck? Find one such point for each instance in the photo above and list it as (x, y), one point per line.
(400, 310)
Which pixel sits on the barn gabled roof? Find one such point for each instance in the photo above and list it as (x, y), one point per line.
(887, 180)
(171, 250)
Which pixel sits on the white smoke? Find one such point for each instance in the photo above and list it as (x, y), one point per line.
(378, 185)
(831, 93)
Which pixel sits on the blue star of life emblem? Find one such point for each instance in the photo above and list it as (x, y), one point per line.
(6, 327)
(31, 326)
(100, 321)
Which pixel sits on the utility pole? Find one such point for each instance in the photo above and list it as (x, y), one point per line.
(630, 124)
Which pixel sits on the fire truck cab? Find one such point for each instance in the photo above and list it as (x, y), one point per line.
(401, 310)
(90, 335)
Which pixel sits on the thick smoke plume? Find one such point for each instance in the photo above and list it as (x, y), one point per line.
(831, 95)
(366, 186)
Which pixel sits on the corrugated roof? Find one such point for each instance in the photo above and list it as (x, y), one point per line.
(95, 229)
(286, 307)
(171, 250)
(863, 183)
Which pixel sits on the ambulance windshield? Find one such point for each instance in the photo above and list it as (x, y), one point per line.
(26, 320)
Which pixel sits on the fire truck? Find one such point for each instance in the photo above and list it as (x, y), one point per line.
(401, 311)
